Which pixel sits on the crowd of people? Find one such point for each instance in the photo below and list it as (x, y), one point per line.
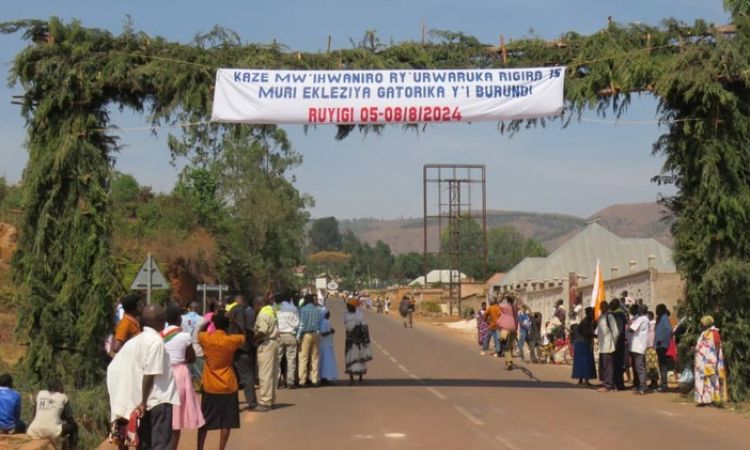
(163, 357)
(173, 370)
(634, 345)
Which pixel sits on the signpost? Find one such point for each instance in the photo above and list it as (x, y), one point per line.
(211, 288)
(149, 278)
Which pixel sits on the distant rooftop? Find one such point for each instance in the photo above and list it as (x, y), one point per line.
(436, 276)
(581, 253)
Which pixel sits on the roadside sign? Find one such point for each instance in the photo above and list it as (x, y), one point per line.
(203, 287)
(148, 278)
(333, 286)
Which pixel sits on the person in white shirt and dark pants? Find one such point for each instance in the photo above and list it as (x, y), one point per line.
(638, 345)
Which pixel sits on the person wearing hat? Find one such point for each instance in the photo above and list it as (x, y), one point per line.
(710, 372)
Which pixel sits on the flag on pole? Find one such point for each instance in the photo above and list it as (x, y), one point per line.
(597, 294)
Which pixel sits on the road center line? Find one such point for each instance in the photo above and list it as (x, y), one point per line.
(403, 368)
(393, 360)
(469, 416)
(437, 393)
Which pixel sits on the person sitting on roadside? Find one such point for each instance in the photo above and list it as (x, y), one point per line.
(53, 416)
(10, 407)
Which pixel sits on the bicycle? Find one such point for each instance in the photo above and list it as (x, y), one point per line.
(409, 320)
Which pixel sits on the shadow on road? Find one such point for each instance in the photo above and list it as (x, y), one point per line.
(462, 382)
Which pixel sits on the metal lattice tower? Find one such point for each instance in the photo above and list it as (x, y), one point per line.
(459, 180)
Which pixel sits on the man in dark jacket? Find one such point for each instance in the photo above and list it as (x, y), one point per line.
(241, 321)
(620, 347)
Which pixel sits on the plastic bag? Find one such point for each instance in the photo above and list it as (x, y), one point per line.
(672, 350)
(686, 376)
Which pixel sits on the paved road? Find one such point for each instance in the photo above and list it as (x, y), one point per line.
(429, 390)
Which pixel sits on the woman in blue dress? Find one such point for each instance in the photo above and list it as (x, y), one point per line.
(328, 369)
(584, 367)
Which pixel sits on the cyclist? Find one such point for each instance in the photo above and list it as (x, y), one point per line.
(406, 309)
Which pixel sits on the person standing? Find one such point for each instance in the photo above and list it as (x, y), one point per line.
(266, 338)
(309, 337)
(53, 416)
(576, 316)
(483, 330)
(219, 402)
(607, 334)
(10, 407)
(357, 350)
(140, 378)
(212, 309)
(638, 344)
(535, 336)
(387, 305)
(179, 346)
(710, 371)
(662, 339)
(130, 325)
(559, 311)
(328, 368)
(192, 322)
(490, 316)
(287, 317)
(241, 322)
(652, 357)
(508, 324)
(584, 367)
(621, 319)
(524, 325)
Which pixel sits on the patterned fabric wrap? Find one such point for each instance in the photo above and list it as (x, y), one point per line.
(125, 432)
(483, 330)
(357, 349)
(652, 363)
(710, 375)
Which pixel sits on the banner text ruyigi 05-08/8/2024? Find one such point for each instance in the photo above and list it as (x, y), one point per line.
(386, 96)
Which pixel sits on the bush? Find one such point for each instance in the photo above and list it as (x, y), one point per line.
(432, 307)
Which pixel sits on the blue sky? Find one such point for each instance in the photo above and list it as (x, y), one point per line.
(577, 171)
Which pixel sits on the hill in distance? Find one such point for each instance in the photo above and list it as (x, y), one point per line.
(631, 220)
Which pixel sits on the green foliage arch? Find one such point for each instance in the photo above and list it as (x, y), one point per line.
(73, 75)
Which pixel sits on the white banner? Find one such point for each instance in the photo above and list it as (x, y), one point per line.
(386, 96)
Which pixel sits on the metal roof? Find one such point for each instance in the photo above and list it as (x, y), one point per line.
(581, 253)
(436, 276)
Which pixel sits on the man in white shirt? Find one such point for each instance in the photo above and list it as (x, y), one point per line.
(607, 333)
(53, 417)
(287, 317)
(140, 378)
(638, 345)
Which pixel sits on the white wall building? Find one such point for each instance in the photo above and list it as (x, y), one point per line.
(643, 267)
